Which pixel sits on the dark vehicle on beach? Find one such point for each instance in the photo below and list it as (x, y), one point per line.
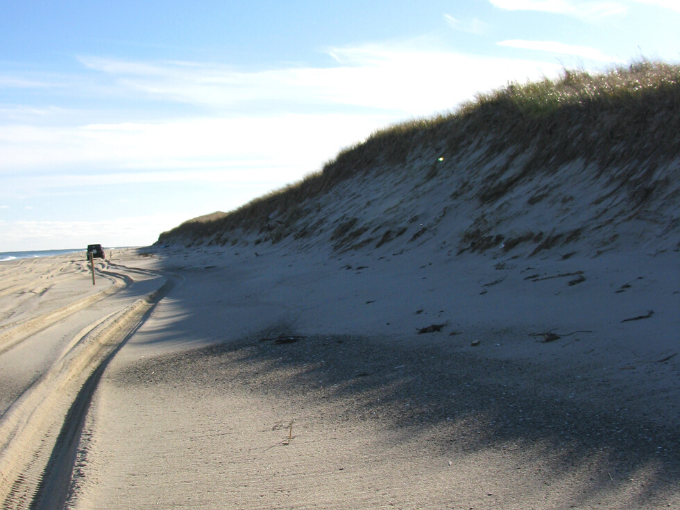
(96, 250)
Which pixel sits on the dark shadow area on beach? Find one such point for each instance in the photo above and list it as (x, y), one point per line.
(412, 388)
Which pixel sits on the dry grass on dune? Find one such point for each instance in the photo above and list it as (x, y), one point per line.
(615, 121)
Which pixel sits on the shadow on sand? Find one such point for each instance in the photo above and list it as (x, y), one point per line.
(475, 403)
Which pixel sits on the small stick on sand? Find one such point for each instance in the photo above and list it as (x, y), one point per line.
(290, 433)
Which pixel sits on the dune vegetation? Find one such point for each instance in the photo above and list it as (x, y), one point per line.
(621, 125)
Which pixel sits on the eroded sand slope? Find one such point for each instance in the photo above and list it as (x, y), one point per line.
(58, 332)
(196, 410)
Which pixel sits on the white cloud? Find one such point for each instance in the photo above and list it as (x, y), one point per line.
(475, 26)
(13, 82)
(392, 84)
(673, 5)
(588, 11)
(560, 48)
(25, 112)
(127, 231)
(424, 81)
(295, 119)
(297, 143)
(228, 172)
(404, 82)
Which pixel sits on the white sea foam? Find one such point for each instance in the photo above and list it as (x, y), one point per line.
(12, 255)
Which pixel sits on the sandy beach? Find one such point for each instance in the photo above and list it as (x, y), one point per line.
(479, 311)
(57, 332)
(263, 381)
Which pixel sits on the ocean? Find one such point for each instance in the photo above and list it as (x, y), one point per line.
(12, 255)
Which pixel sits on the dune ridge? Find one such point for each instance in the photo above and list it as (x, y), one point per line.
(586, 156)
(479, 310)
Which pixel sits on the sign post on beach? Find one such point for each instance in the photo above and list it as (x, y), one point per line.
(92, 266)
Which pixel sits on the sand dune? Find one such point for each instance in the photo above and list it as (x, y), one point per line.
(277, 381)
(272, 376)
(479, 312)
(294, 375)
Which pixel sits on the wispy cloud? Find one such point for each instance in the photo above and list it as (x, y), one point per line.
(297, 143)
(244, 131)
(588, 11)
(367, 88)
(475, 26)
(21, 83)
(400, 81)
(673, 5)
(560, 49)
(31, 112)
(228, 172)
(126, 231)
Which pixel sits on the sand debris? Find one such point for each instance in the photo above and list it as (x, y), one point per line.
(283, 339)
(639, 317)
(560, 275)
(431, 329)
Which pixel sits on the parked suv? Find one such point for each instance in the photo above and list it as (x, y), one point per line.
(96, 250)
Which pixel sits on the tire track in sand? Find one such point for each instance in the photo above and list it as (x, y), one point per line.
(39, 434)
(25, 329)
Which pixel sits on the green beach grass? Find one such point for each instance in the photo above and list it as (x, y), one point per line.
(610, 120)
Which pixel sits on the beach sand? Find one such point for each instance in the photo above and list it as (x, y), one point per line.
(477, 311)
(57, 332)
(272, 379)
(344, 366)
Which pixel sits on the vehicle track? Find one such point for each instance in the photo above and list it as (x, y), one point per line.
(13, 334)
(24, 285)
(39, 433)
(11, 282)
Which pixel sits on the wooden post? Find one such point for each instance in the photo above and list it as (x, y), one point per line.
(92, 266)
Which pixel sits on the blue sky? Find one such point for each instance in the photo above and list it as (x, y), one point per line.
(119, 120)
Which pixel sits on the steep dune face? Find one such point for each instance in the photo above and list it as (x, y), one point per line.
(445, 203)
(526, 169)
(468, 311)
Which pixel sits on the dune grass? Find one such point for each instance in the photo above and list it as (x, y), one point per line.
(611, 119)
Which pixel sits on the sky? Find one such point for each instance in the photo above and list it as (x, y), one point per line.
(121, 119)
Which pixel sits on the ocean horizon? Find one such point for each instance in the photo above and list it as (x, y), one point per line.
(13, 255)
